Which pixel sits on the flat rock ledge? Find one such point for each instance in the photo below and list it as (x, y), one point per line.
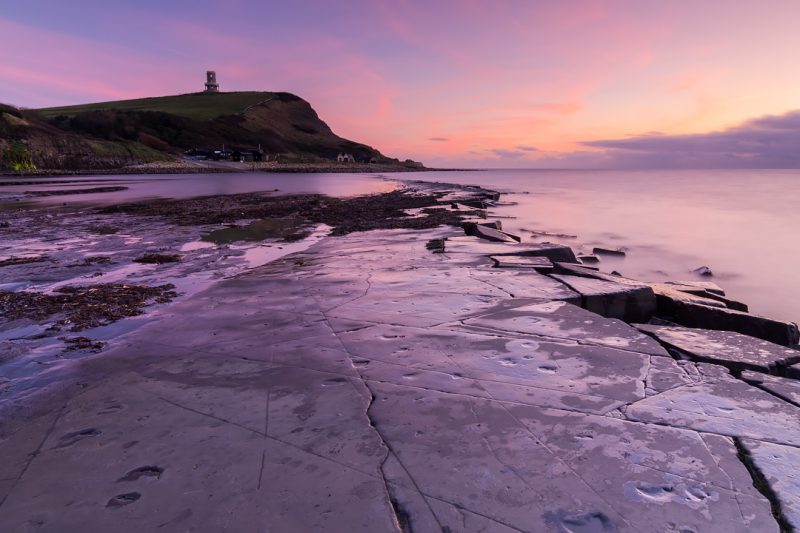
(368, 384)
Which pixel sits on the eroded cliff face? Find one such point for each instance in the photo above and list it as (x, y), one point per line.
(48, 147)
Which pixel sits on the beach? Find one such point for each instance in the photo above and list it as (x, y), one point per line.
(392, 362)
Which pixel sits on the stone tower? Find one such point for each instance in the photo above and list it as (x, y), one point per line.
(211, 82)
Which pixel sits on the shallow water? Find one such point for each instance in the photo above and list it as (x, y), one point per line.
(743, 224)
(140, 187)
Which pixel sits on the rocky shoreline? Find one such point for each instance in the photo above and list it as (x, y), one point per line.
(420, 370)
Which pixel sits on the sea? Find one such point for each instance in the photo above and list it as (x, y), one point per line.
(744, 225)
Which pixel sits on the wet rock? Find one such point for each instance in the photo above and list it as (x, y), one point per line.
(522, 283)
(495, 224)
(665, 292)
(695, 315)
(469, 245)
(551, 234)
(786, 388)
(727, 348)
(540, 264)
(474, 203)
(632, 303)
(709, 311)
(488, 233)
(705, 295)
(720, 403)
(567, 321)
(780, 468)
(703, 271)
(589, 259)
(708, 286)
(656, 471)
(577, 269)
(608, 251)
(433, 428)
(543, 469)
(523, 368)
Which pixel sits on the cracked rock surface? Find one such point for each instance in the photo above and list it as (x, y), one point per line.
(724, 347)
(366, 384)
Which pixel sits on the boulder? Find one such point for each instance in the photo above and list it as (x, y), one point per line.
(726, 348)
(632, 303)
(589, 259)
(703, 271)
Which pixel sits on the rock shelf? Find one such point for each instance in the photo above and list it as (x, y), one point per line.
(367, 384)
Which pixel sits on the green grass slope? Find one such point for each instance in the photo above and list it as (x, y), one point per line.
(196, 106)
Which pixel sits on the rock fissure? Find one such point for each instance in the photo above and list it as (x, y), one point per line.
(731, 484)
(762, 485)
(401, 519)
(462, 508)
(469, 273)
(281, 441)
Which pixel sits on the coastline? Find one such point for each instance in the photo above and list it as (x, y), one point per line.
(227, 167)
(375, 377)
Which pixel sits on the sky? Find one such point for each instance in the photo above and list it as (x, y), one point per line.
(470, 83)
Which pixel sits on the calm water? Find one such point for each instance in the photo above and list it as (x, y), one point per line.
(145, 186)
(744, 225)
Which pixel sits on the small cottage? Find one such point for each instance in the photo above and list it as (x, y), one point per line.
(345, 158)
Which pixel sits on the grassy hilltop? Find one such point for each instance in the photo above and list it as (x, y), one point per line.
(107, 135)
(197, 106)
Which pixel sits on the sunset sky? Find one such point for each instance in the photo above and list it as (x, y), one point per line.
(501, 83)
